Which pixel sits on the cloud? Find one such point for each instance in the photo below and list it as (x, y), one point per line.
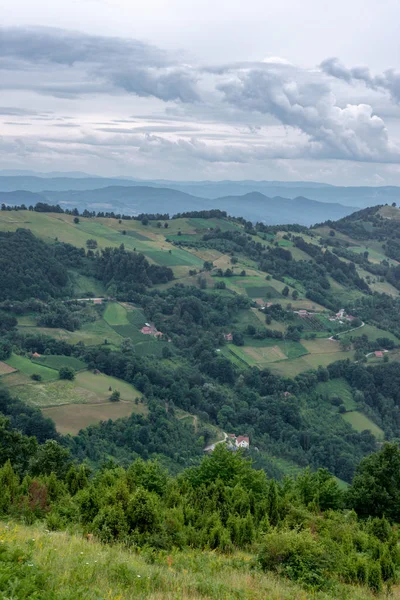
(388, 81)
(301, 99)
(242, 103)
(129, 65)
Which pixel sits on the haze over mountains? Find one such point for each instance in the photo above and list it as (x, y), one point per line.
(271, 202)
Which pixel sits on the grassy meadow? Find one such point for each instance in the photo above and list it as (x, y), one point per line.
(38, 564)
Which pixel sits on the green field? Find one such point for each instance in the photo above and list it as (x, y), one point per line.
(261, 353)
(373, 333)
(265, 291)
(86, 286)
(71, 419)
(115, 314)
(360, 422)
(28, 367)
(87, 388)
(56, 361)
(339, 388)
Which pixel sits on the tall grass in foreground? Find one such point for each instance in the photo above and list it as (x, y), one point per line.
(41, 565)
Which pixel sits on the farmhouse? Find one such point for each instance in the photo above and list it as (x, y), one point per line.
(228, 337)
(35, 355)
(150, 330)
(379, 354)
(242, 441)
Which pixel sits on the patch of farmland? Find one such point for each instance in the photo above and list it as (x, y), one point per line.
(87, 387)
(72, 421)
(291, 368)
(28, 320)
(265, 291)
(28, 367)
(57, 361)
(138, 236)
(175, 258)
(373, 333)
(115, 314)
(339, 388)
(84, 285)
(360, 422)
(6, 369)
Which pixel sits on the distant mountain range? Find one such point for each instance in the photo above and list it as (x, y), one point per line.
(253, 206)
(268, 201)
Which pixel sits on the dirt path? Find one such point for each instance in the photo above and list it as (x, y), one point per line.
(212, 446)
(332, 338)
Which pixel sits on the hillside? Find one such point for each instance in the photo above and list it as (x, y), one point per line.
(58, 565)
(199, 401)
(263, 305)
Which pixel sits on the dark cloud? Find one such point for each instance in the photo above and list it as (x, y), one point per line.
(389, 80)
(129, 65)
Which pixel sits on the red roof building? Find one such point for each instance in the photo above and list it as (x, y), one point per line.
(379, 354)
(228, 337)
(242, 441)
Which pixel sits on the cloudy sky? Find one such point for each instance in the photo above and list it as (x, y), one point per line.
(204, 89)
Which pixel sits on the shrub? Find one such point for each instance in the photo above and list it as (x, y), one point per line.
(296, 555)
(66, 373)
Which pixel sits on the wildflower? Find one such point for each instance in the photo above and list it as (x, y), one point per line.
(81, 552)
(87, 563)
(139, 575)
(30, 564)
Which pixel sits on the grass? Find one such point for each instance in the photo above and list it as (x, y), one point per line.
(265, 291)
(65, 566)
(72, 420)
(339, 388)
(261, 353)
(56, 361)
(373, 333)
(87, 388)
(85, 286)
(291, 368)
(29, 367)
(360, 422)
(115, 314)
(5, 369)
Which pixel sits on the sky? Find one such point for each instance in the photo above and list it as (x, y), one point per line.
(289, 90)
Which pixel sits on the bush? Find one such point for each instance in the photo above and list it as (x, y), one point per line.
(296, 555)
(66, 373)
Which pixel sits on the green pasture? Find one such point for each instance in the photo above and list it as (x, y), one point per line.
(29, 367)
(360, 422)
(84, 285)
(57, 361)
(373, 333)
(115, 314)
(87, 387)
(71, 419)
(339, 388)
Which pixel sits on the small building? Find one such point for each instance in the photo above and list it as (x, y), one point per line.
(242, 441)
(36, 355)
(379, 354)
(228, 337)
(303, 313)
(146, 330)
